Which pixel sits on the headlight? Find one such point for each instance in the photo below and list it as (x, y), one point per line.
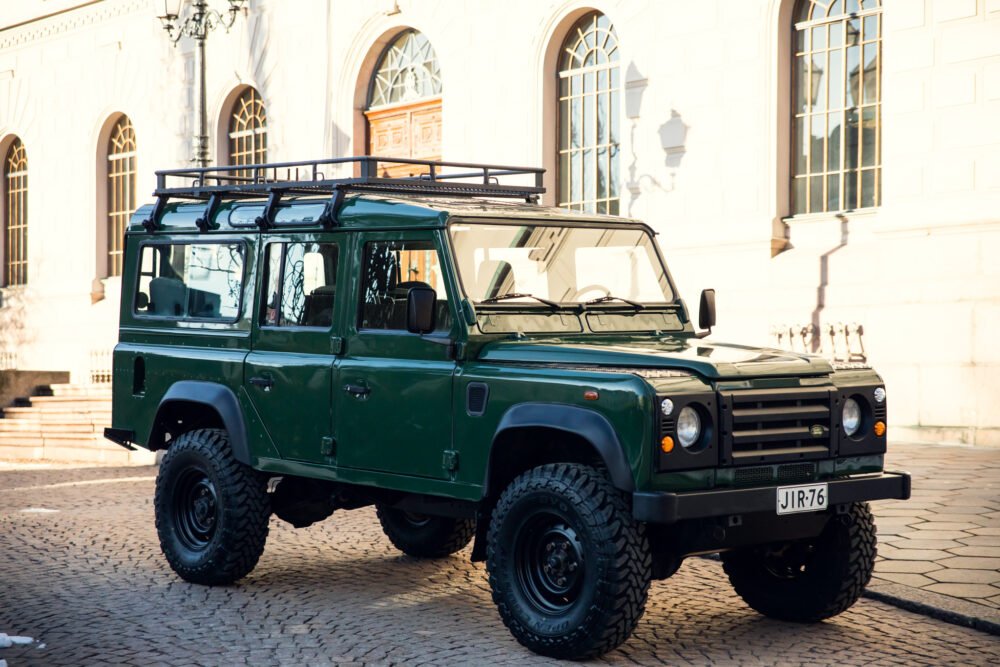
(667, 407)
(879, 394)
(851, 417)
(688, 427)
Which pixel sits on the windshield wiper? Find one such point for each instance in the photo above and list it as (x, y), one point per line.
(519, 295)
(609, 297)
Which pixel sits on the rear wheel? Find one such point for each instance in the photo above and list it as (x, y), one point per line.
(425, 536)
(569, 566)
(808, 580)
(211, 510)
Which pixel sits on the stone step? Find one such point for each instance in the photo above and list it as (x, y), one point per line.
(79, 453)
(80, 389)
(62, 439)
(56, 413)
(34, 425)
(68, 403)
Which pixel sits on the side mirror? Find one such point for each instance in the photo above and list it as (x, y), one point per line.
(421, 306)
(706, 311)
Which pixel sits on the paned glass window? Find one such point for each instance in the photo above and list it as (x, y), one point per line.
(248, 131)
(15, 172)
(391, 268)
(836, 104)
(121, 189)
(408, 71)
(589, 99)
(308, 274)
(191, 281)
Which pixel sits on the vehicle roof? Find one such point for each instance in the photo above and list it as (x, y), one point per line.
(359, 210)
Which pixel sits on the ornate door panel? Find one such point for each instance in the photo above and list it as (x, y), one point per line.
(408, 130)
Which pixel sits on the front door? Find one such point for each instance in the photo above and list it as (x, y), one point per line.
(290, 372)
(394, 385)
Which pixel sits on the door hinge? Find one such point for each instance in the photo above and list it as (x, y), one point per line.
(449, 461)
(336, 345)
(327, 446)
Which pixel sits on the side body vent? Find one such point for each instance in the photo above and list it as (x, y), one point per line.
(477, 394)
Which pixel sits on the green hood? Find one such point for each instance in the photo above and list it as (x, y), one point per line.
(710, 360)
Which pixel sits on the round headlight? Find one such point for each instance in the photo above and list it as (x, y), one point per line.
(851, 416)
(879, 394)
(688, 427)
(667, 407)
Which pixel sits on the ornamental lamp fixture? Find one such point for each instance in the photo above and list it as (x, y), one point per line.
(198, 22)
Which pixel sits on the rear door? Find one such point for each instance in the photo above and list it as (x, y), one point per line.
(290, 372)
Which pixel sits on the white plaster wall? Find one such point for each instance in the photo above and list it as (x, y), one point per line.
(702, 148)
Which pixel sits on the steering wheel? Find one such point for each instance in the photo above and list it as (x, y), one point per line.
(587, 291)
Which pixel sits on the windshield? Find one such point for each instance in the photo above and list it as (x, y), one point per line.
(535, 264)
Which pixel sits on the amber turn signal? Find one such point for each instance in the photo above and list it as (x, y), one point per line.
(879, 429)
(591, 395)
(667, 444)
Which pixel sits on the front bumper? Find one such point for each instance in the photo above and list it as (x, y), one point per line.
(666, 507)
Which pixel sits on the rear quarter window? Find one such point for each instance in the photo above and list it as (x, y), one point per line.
(191, 281)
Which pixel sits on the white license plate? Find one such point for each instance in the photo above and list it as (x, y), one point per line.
(804, 498)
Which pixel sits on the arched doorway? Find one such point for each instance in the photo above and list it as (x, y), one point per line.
(403, 109)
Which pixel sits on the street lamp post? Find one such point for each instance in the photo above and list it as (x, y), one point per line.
(200, 21)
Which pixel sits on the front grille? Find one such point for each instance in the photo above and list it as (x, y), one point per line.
(747, 476)
(796, 472)
(789, 473)
(772, 425)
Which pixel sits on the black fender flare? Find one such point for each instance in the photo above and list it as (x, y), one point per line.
(592, 426)
(221, 399)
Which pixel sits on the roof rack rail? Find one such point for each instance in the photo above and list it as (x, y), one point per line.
(277, 179)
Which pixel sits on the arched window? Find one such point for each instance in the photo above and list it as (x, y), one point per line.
(121, 189)
(589, 93)
(404, 103)
(247, 130)
(15, 177)
(836, 98)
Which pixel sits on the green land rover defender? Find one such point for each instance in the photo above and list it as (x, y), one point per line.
(482, 369)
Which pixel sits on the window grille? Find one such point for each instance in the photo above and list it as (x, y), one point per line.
(408, 71)
(836, 98)
(247, 132)
(16, 215)
(588, 127)
(121, 189)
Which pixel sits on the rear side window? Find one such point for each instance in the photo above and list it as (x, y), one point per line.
(202, 281)
(301, 286)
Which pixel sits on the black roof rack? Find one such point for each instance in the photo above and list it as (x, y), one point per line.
(211, 184)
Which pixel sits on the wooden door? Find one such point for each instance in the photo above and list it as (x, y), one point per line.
(405, 130)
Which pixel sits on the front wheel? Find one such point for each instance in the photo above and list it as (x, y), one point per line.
(569, 566)
(808, 580)
(211, 510)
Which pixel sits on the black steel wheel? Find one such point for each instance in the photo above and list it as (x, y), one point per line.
(806, 581)
(195, 508)
(211, 510)
(569, 566)
(424, 536)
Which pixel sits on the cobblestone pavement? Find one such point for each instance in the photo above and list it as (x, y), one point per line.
(945, 540)
(88, 582)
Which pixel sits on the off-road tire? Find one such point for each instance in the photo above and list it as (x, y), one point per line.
(425, 536)
(211, 510)
(829, 578)
(547, 520)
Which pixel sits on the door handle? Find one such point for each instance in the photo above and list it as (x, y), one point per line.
(264, 383)
(357, 390)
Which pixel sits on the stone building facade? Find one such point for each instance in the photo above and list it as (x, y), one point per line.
(831, 167)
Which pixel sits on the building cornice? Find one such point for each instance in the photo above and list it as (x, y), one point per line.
(67, 20)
